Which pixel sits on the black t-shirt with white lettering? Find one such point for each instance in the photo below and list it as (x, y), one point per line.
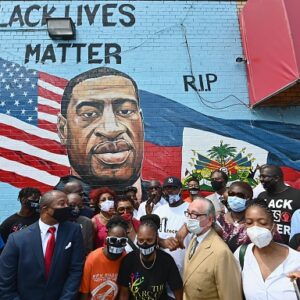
(15, 223)
(283, 206)
(149, 283)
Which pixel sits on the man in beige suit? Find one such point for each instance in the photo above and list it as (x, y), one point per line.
(210, 270)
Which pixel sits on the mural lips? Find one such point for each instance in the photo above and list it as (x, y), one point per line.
(112, 153)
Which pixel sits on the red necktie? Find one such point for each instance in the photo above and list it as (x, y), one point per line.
(49, 250)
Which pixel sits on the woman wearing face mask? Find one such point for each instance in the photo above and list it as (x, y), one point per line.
(233, 222)
(265, 264)
(103, 200)
(124, 207)
(102, 265)
(144, 273)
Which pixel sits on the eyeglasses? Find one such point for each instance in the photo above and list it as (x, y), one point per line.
(240, 195)
(193, 215)
(153, 188)
(116, 240)
(126, 208)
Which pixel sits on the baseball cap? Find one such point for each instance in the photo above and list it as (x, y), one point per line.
(172, 181)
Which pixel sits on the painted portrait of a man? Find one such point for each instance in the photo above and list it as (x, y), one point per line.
(102, 128)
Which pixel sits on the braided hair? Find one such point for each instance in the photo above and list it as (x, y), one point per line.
(152, 221)
(261, 204)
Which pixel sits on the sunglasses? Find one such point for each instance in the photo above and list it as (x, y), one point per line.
(240, 195)
(153, 188)
(127, 209)
(116, 240)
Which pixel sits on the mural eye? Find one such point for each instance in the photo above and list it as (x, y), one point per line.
(89, 115)
(125, 112)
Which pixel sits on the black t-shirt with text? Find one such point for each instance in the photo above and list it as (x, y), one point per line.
(149, 284)
(283, 205)
(15, 223)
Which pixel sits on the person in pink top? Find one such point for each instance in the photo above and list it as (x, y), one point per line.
(103, 200)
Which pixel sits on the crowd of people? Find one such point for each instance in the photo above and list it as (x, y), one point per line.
(169, 246)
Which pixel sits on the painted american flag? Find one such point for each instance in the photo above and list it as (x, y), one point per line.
(30, 149)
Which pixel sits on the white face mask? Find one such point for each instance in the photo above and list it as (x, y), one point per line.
(107, 205)
(147, 251)
(193, 226)
(259, 236)
(115, 250)
(174, 198)
(194, 192)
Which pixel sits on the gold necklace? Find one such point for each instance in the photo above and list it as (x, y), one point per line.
(106, 219)
(148, 268)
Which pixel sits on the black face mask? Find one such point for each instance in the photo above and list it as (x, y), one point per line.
(75, 213)
(33, 206)
(146, 249)
(62, 214)
(217, 185)
(269, 186)
(115, 250)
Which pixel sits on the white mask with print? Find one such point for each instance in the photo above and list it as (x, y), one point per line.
(259, 236)
(174, 198)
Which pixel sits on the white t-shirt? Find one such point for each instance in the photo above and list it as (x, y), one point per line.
(171, 220)
(277, 286)
(142, 208)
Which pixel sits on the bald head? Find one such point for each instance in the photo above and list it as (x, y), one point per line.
(74, 200)
(154, 183)
(50, 198)
(274, 170)
(73, 187)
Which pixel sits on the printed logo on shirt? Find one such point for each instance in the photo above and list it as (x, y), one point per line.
(284, 229)
(286, 217)
(17, 227)
(136, 288)
(281, 203)
(107, 289)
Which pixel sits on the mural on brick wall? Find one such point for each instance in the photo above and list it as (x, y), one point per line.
(147, 90)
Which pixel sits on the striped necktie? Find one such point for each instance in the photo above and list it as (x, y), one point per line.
(193, 248)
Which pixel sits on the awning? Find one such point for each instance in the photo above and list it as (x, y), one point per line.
(270, 32)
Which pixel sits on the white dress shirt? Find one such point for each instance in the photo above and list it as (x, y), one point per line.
(277, 286)
(45, 234)
(201, 237)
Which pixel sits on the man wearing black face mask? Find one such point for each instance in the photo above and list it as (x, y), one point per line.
(193, 189)
(102, 265)
(282, 199)
(29, 199)
(219, 181)
(87, 229)
(44, 261)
